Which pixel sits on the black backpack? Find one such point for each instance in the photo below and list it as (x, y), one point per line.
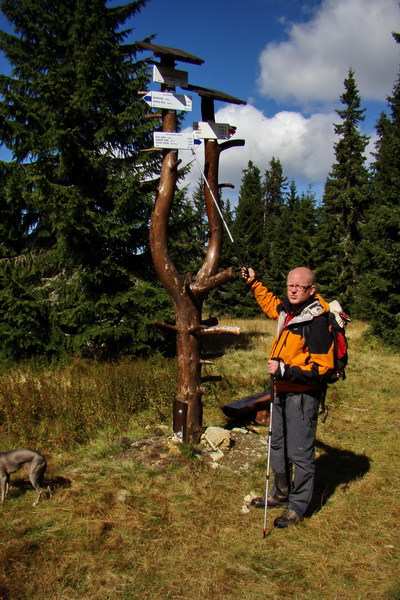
(337, 321)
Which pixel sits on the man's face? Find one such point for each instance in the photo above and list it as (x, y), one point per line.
(299, 288)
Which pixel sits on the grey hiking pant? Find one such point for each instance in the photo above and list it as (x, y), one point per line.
(294, 427)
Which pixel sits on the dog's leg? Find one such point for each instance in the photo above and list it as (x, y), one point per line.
(36, 472)
(37, 497)
(4, 486)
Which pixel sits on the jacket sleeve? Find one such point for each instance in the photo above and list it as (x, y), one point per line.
(267, 300)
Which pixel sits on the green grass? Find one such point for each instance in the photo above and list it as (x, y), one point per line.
(119, 529)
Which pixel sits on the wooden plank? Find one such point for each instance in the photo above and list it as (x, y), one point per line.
(168, 52)
(213, 94)
(243, 406)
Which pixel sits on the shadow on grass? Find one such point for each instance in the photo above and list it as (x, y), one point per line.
(335, 468)
(23, 485)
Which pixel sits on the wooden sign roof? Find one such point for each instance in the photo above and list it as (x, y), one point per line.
(213, 94)
(174, 53)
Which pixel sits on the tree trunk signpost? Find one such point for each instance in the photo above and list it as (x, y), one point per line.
(188, 293)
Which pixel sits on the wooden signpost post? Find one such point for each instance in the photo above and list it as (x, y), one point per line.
(187, 292)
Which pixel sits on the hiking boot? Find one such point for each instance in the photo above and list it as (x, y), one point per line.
(290, 517)
(272, 502)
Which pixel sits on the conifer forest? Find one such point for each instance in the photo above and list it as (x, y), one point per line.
(76, 273)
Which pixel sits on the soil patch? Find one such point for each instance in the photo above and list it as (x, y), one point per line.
(156, 450)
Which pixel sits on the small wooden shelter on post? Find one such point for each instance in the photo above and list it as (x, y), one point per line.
(188, 292)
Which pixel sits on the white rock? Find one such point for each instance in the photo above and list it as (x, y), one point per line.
(250, 497)
(218, 436)
(245, 509)
(216, 456)
(121, 495)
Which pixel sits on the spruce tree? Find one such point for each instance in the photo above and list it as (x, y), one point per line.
(380, 247)
(185, 234)
(274, 194)
(75, 240)
(293, 236)
(247, 233)
(344, 204)
(302, 238)
(247, 229)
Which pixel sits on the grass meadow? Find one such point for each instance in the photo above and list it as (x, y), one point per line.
(118, 529)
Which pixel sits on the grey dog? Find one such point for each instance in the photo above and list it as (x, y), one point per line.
(12, 460)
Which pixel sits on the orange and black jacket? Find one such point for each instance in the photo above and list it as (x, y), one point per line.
(303, 342)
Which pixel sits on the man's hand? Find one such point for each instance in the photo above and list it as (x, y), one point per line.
(273, 366)
(247, 273)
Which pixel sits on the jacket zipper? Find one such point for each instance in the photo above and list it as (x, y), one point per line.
(282, 344)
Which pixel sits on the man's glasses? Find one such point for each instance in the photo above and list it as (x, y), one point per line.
(298, 288)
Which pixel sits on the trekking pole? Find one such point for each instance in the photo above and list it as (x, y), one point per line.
(236, 249)
(269, 454)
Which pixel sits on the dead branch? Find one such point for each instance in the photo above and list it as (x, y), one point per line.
(218, 331)
(231, 144)
(204, 286)
(165, 325)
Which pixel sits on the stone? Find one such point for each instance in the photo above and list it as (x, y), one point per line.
(218, 436)
(250, 497)
(121, 495)
(216, 456)
(240, 430)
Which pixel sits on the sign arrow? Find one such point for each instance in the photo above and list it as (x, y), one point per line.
(168, 100)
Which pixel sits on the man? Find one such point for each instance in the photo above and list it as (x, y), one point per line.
(302, 362)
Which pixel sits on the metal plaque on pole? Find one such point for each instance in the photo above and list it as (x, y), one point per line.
(213, 131)
(172, 140)
(170, 76)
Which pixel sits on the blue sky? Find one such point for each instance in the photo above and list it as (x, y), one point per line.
(287, 59)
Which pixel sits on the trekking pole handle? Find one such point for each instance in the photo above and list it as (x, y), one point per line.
(238, 255)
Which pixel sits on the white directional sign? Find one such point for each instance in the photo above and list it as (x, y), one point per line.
(167, 139)
(170, 76)
(168, 100)
(209, 130)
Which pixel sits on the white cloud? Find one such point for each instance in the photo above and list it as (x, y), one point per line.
(309, 69)
(311, 65)
(303, 145)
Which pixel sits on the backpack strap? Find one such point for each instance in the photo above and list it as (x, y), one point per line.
(323, 407)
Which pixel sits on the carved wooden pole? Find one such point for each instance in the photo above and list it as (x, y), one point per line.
(187, 293)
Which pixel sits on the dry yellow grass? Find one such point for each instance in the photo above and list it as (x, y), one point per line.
(122, 530)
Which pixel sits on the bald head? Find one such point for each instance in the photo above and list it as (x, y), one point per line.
(303, 273)
(300, 285)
